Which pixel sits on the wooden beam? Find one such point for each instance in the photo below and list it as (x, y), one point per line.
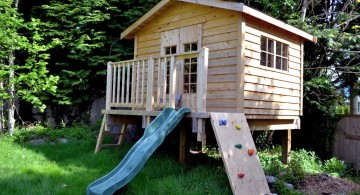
(352, 137)
(172, 82)
(122, 134)
(108, 85)
(286, 146)
(203, 115)
(217, 4)
(240, 66)
(273, 124)
(202, 92)
(100, 136)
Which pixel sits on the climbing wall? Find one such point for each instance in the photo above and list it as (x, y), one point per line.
(243, 168)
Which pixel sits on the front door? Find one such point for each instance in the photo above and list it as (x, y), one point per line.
(185, 44)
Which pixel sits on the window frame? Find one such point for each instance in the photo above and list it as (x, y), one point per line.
(272, 55)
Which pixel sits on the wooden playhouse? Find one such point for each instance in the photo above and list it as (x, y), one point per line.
(211, 56)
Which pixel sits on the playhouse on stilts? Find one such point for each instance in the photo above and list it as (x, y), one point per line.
(229, 64)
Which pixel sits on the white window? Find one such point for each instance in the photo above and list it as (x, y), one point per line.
(274, 54)
(190, 75)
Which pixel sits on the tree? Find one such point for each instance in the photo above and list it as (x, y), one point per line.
(89, 33)
(26, 78)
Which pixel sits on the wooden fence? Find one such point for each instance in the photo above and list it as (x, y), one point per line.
(347, 140)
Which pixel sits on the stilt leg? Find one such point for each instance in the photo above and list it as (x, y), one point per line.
(286, 146)
(100, 136)
(182, 150)
(122, 134)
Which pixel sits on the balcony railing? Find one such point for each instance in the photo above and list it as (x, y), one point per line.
(150, 84)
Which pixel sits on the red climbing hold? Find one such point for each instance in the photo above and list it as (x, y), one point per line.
(241, 175)
(251, 152)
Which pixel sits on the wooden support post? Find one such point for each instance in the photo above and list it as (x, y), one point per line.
(286, 146)
(100, 136)
(240, 66)
(122, 134)
(172, 82)
(150, 89)
(202, 92)
(182, 149)
(108, 86)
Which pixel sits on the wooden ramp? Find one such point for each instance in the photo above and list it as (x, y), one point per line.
(245, 173)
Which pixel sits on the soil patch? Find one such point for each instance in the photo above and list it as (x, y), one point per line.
(326, 184)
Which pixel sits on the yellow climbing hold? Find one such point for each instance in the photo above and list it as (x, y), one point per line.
(238, 127)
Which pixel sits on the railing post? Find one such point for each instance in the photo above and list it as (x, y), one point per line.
(172, 82)
(108, 86)
(150, 89)
(150, 85)
(201, 92)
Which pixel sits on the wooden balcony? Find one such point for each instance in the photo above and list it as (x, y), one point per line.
(154, 83)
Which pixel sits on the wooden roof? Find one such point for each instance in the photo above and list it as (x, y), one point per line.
(130, 32)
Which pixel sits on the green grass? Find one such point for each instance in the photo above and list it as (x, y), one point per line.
(55, 168)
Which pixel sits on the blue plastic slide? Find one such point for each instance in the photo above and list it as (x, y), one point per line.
(137, 156)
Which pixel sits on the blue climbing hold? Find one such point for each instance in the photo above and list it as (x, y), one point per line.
(222, 122)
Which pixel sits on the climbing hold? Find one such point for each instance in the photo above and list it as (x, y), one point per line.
(222, 122)
(238, 146)
(238, 127)
(241, 175)
(251, 152)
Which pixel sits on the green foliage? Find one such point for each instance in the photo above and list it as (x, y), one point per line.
(271, 161)
(32, 80)
(335, 167)
(77, 132)
(280, 188)
(301, 162)
(212, 152)
(260, 138)
(343, 110)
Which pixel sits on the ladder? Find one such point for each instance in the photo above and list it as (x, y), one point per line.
(102, 132)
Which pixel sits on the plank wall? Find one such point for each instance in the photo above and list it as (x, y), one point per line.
(219, 35)
(269, 92)
(347, 140)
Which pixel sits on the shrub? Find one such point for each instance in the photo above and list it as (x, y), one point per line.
(280, 188)
(307, 161)
(335, 167)
(77, 132)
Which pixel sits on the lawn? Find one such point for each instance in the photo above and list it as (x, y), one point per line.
(68, 168)
(56, 168)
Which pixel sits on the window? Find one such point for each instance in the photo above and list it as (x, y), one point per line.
(190, 75)
(274, 54)
(189, 47)
(170, 50)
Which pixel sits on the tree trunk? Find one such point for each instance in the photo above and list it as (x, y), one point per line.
(304, 8)
(354, 101)
(1, 110)
(11, 92)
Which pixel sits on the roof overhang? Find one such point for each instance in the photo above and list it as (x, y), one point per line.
(130, 32)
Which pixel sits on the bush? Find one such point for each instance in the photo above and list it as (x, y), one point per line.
(280, 188)
(77, 132)
(305, 161)
(335, 167)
